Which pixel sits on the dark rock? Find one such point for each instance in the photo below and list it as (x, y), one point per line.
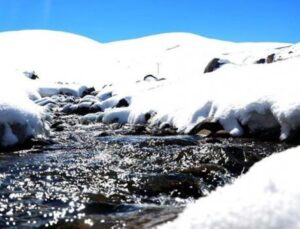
(213, 141)
(209, 125)
(137, 130)
(271, 58)
(150, 77)
(214, 64)
(221, 134)
(84, 108)
(122, 103)
(102, 208)
(261, 61)
(54, 125)
(176, 185)
(59, 127)
(31, 75)
(81, 108)
(147, 117)
(87, 91)
(96, 107)
(290, 52)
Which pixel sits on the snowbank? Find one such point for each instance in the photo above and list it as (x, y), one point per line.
(268, 196)
(247, 92)
(20, 118)
(258, 97)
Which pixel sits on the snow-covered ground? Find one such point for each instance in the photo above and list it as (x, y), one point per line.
(241, 93)
(268, 196)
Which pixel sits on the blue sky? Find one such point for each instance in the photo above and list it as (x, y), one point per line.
(108, 20)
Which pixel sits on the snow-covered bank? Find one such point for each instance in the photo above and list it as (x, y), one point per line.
(249, 87)
(268, 196)
(256, 97)
(20, 117)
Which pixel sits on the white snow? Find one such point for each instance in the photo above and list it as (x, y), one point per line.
(268, 196)
(20, 117)
(49, 89)
(253, 95)
(240, 93)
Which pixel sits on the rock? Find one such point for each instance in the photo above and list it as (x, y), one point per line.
(122, 103)
(87, 91)
(271, 58)
(54, 125)
(84, 108)
(214, 64)
(204, 133)
(221, 134)
(212, 174)
(81, 108)
(91, 118)
(176, 185)
(31, 75)
(209, 125)
(150, 78)
(261, 61)
(59, 127)
(149, 115)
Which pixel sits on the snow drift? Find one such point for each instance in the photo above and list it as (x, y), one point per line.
(268, 196)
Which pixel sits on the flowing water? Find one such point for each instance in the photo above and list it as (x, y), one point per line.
(112, 176)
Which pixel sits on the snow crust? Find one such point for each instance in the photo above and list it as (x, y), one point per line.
(268, 196)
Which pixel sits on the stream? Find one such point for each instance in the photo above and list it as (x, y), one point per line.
(116, 176)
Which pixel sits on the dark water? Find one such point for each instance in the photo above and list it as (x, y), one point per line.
(130, 181)
(115, 176)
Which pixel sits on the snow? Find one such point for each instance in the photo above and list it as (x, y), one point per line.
(46, 89)
(251, 95)
(240, 93)
(20, 117)
(268, 196)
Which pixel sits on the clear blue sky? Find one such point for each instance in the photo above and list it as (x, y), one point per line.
(108, 20)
